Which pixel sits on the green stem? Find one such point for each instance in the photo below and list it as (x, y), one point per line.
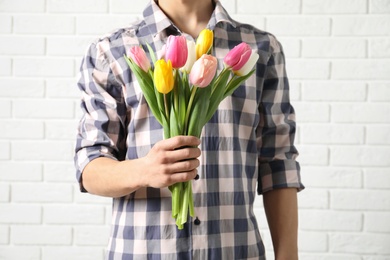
(166, 107)
(193, 91)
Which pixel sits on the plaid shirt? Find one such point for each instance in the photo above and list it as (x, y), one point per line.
(246, 147)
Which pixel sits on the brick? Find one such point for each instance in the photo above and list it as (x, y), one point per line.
(361, 69)
(41, 192)
(73, 214)
(61, 130)
(362, 156)
(332, 177)
(44, 67)
(42, 150)
(16, 214)
(359, 243)
(101, 24)
(74, 6)
(62, 88)
(334, 48)
(360, 199)
(377, 178)
(317, 220)
(312, 241)
(5, 23)
(17, 171)
(59, 172)
(379, 6)
(361, 112)
(361, 25)
(123, 6)
(328, 256)
(299, 26)
(379, 48)
(5, 108)
(377, 222)
(5, 150)
(4, 237)
(332, 134)
(269, 6)
(16, 129)
(331, 91)
(5, 66)
(312, 112)
(291, 47)
(48, 235)
(313, 155)
(308, 69)
(313, 198)
(74, 253)
(378, 134)
(4, 193)
(295, 91)
(16, 88)
(44, 108)
(230, 6)
(68, 45)
(20, 252)
(334, 7)
(379, 91)
(91, 235)
(44, 24)
(21, 45)
(21, 6)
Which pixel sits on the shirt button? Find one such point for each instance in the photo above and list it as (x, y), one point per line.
(197, 221)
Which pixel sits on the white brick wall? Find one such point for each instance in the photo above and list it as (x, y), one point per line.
(338, 61)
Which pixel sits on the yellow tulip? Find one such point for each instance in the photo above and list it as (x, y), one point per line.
(163, 76)
(204, 42)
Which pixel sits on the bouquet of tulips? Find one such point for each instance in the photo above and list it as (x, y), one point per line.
(183, 91)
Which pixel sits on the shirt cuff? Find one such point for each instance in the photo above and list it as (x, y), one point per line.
(279, 174)
(85, 156)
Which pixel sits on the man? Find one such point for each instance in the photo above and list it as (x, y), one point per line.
(248, 143)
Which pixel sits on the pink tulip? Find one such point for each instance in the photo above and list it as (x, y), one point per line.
(138, 56)
(203, 71)
(238, 56)
(176, 51)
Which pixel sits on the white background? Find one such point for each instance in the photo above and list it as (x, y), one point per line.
(338, 61)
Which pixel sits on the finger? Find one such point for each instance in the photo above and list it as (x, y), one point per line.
(178, 142)
(184, 154)
(183, 176)
(184, 166)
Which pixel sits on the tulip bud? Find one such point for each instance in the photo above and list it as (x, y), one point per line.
(238, 56)
(248, 66)
(204, 42)
(191, 57)
(138, 56)
(203, 71)
(163, 76)
(176, 51)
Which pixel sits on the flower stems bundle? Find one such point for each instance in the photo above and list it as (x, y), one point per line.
(183, 91)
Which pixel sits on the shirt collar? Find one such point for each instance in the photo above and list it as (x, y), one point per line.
(156, 20)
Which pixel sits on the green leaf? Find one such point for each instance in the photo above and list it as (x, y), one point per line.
(151, 52)
(216, 97)
(235, 82)
(147, 86)
(198, 113)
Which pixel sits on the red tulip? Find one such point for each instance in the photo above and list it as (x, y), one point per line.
(176, 51)
(203, 71)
